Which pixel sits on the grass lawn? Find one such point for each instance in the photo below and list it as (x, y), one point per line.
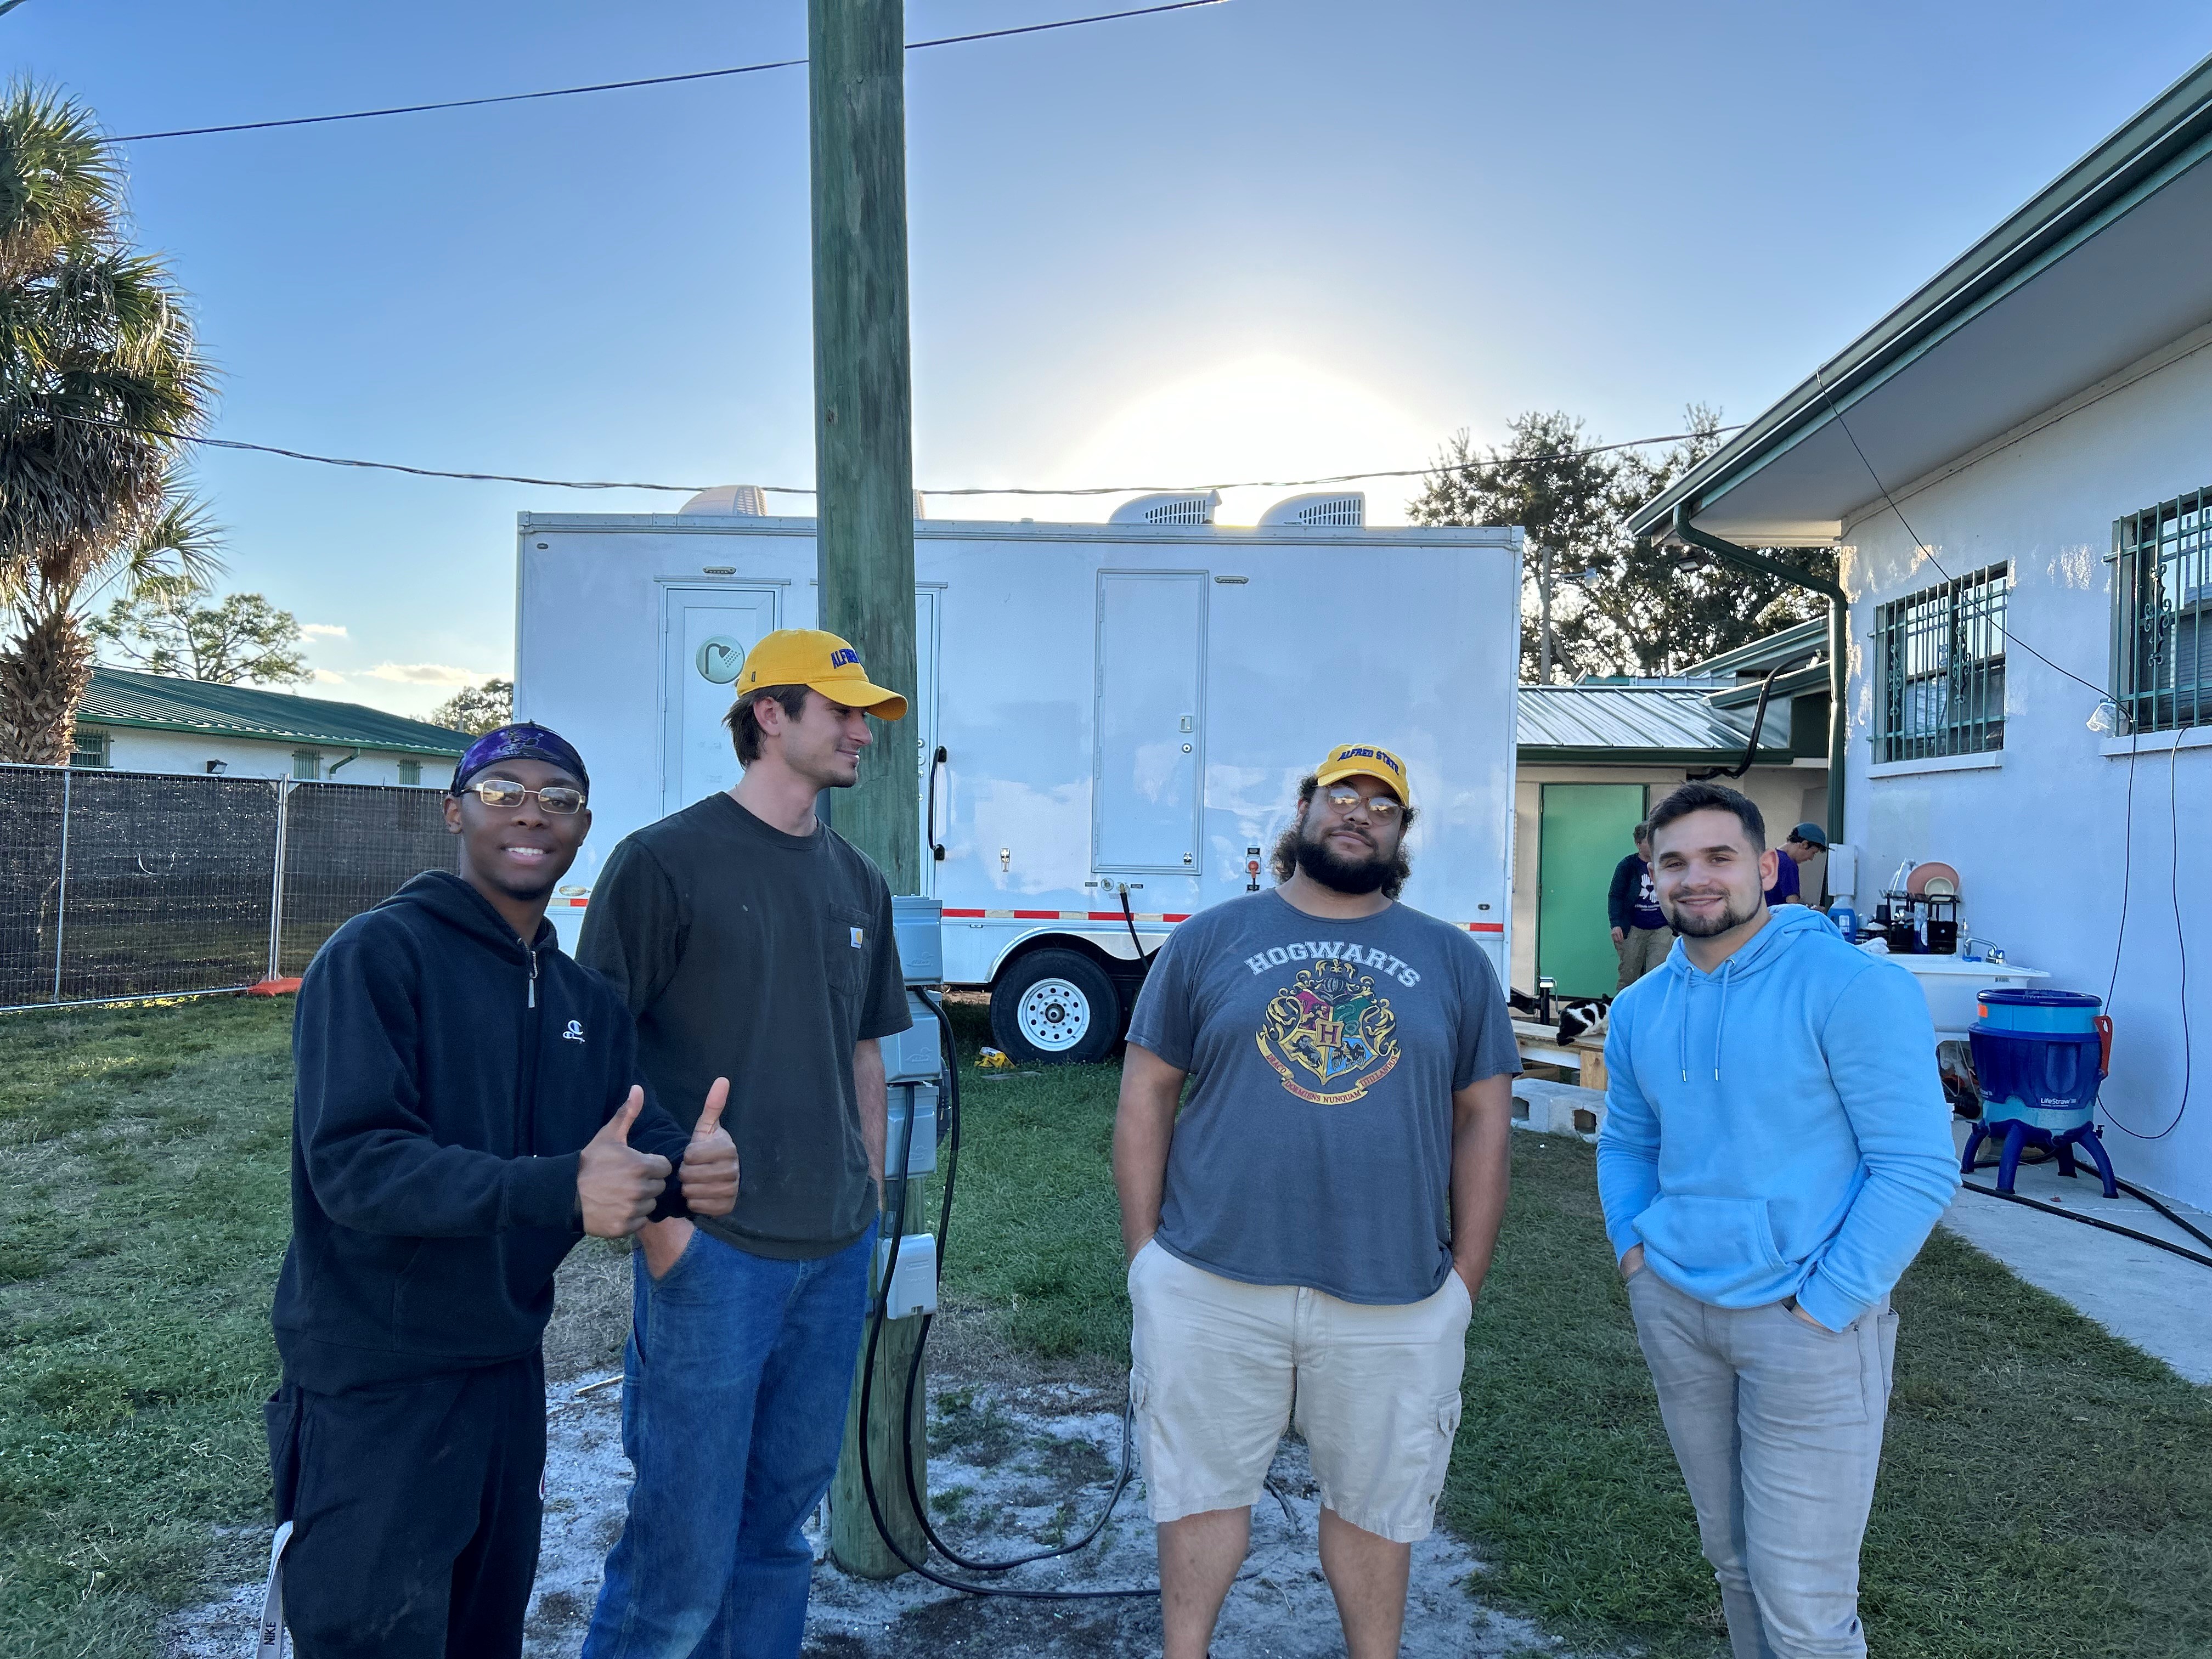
(143, 1212)
(2047, 1492)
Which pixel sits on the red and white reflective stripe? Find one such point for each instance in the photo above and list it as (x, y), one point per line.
(1164, 919)
(952, 914)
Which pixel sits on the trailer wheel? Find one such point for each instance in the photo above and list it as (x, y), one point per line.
(1055, 1006)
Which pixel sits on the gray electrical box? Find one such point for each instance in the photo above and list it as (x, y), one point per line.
(914, 1070)
(915, 1104)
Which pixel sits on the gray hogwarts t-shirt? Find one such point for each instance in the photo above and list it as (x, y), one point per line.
(1314, 1145)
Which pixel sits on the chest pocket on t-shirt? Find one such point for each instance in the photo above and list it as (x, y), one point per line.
(849, 950)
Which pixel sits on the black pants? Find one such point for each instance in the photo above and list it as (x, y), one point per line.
(414, 1509)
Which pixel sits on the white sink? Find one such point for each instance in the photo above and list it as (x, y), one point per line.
(1953, 985)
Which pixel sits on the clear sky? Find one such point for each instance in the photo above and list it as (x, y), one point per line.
(1269, 238)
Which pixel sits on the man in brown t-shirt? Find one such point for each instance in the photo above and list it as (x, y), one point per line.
(752, 942)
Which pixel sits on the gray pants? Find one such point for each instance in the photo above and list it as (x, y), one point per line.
(1778, 1427)
(1640, 950)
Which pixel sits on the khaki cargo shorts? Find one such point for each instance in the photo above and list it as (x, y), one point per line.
(1220, 1368)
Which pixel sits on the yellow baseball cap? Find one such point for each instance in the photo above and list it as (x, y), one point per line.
(1353, 760)
(821, 662)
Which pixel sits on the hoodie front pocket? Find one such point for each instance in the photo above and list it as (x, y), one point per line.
(1703, 1233)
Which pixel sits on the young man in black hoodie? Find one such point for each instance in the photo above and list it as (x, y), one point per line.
(466, 1106)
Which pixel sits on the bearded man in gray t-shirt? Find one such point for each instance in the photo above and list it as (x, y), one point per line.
(1314, 1222)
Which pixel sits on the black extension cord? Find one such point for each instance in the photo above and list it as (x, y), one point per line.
(952, 1057)
(2183, 1251)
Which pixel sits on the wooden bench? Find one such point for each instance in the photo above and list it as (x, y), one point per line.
(1583, 1056)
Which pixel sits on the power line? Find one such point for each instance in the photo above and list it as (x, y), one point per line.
(645, 81)
(976, 489)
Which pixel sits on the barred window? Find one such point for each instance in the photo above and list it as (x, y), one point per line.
(1942, 654)
(2161, 590)
(306, 764)
(90, 749)
(410, 772)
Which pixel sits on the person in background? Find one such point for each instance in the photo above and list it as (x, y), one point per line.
(467, 1108)
(1805, 844)
(1314, 1223)
(1640, 934)
(752, 941)
(1774, 1152)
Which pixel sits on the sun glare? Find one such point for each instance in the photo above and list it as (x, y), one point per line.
(1261, 417)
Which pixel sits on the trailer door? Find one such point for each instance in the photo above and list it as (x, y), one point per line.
(1150, 743)
(934, 805)
(706, 631)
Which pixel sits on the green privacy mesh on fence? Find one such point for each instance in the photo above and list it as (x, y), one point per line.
(117, 885)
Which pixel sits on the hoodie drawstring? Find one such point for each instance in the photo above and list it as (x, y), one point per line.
(1720, 1025)
(1682, 1026)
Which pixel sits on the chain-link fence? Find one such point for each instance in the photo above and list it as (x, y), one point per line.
(121, 885)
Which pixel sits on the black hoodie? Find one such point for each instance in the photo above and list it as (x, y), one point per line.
(448, 1079)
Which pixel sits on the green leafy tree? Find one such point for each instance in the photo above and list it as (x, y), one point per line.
(101, 382)
(1543, 479)
(479, 710)
(169, 627)
(1618, 605)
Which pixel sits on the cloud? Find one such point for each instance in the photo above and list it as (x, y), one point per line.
(329, 677)
(426, 673)
(323, 630)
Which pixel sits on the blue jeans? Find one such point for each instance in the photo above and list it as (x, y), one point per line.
(734, 1389)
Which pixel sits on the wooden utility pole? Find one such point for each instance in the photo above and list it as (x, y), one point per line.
(864, 552)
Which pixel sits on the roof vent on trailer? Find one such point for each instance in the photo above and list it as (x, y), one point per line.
(1330, 510)
(1178, 507)
(729, 501)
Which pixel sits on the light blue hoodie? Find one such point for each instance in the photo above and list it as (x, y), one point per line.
(1776, 1128)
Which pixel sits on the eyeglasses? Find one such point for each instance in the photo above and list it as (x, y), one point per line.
(558, 799)
(1381, 808)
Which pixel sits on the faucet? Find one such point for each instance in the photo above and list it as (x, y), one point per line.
(1992, 952)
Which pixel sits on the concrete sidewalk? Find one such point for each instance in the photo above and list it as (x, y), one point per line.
(2143, 1294)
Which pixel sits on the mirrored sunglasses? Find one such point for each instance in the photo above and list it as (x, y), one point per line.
(1381, 808)
(558, 798)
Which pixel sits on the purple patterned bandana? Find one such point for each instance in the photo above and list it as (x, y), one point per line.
(521, 741)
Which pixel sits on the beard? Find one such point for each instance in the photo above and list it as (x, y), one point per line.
(1695, 928)
(1302, 849)
(1324, 865)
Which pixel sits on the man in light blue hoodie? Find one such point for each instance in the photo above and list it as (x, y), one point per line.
(1776, 1149)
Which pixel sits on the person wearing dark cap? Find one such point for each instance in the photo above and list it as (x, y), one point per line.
(1805, 843)
(752, 941)
(467, 1107)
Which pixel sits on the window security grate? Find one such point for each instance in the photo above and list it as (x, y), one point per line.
(2161, 591)
(1943, 668)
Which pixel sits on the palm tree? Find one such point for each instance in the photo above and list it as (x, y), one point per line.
(101, 384)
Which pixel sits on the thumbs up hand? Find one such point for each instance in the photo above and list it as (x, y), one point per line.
(617, 1184)
(710, 1173)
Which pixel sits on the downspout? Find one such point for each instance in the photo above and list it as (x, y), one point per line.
(1839, 633)
(348, 760)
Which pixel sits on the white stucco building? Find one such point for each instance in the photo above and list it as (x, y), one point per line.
(2015, 468)
(133, 722)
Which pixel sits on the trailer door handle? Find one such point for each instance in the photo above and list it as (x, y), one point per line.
(936, 846)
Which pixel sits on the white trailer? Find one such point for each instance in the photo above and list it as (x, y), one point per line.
(1113, 718)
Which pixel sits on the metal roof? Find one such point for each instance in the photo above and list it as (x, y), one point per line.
(2110, 262)
(1642, 725)
(1791, 643)
(159, 702)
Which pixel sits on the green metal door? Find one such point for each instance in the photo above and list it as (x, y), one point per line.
(1587, 829)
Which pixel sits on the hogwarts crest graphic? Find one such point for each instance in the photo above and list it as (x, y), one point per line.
(1329, 1034)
